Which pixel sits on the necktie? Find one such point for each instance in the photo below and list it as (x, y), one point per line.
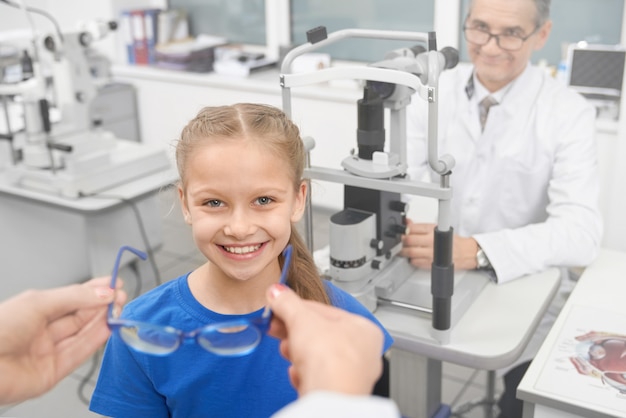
(484, 106)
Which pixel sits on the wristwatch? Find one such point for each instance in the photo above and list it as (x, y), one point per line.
(482, 262)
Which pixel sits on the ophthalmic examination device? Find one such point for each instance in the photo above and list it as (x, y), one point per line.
(365, 237)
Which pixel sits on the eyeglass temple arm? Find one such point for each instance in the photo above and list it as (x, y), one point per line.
(283, 277)
(286, 262)
(120, 252)
(116, 268)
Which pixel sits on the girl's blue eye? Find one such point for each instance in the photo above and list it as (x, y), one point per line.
(214, 203)
(264, 200)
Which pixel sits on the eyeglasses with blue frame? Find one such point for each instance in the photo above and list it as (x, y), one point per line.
(230, 338)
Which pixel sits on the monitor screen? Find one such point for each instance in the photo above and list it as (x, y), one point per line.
(597, 69)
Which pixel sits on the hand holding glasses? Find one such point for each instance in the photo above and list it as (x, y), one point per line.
(231, 338)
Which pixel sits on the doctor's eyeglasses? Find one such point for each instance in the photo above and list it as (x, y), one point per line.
(231, 338)
(507, 42)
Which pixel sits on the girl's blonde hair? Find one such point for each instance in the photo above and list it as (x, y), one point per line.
(270, 127)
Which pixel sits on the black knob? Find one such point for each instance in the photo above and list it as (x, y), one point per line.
(50, 44)
(397, 206)
(85, 39)
(397, 229)
(377, 244)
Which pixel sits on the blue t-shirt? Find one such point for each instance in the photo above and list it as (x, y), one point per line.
(192, 382)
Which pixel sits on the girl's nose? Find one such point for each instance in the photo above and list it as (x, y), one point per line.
(239, 225)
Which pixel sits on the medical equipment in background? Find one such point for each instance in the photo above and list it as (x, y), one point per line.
(365, 237)
(597, 72)
(57, 148)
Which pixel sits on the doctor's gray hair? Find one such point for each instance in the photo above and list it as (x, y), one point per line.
(543, 11)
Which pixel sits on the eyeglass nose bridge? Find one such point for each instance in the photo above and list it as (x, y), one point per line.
(494, 36)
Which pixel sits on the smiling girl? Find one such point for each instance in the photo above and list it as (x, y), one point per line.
(241, 191)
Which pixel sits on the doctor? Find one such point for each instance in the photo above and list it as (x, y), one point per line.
(525, 184)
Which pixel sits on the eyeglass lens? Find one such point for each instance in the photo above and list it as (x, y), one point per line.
(147, 338)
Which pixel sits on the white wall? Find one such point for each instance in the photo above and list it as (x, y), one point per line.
(446, 18)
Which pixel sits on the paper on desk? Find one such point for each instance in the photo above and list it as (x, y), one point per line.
(570, 375)
(231, 60)
(190, 45)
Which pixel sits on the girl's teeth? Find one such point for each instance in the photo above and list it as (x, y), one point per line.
(242, 250)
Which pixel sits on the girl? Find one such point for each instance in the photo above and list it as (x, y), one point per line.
(241, 191)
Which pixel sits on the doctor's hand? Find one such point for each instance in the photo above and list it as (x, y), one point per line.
(417, 246)
(329, 349)
(46, 334)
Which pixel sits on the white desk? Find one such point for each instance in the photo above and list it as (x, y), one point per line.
(492, 334)
(552, 387)
(48, 240)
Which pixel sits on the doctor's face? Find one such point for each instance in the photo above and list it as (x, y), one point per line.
(497, 66)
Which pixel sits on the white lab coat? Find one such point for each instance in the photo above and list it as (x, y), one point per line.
(527, 187)
(330, 405)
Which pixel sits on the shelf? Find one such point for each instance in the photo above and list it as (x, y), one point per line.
(264, 81)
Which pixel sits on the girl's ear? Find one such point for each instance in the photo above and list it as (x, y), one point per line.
(300, 202)
(184, 206)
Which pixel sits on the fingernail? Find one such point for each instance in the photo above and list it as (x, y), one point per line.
(104, 292)
(276, 289)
